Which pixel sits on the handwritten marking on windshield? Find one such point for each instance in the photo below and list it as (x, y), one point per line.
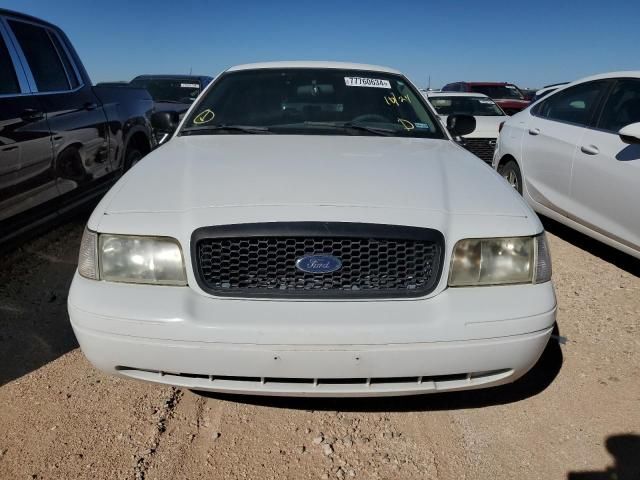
(408, 126)
(393, 100)
(204, 117)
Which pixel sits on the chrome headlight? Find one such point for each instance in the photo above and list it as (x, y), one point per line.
(131, 259)
(500, 261)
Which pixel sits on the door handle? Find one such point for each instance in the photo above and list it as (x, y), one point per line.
(31, 114)
(590, 149)
(8, 149)
(90, 106)
(534, 131)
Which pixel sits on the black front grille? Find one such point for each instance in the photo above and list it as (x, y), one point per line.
(259, 260)
(481, 147)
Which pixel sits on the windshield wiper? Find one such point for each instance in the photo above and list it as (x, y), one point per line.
(166, 100)
(355, 126)
(219, 128)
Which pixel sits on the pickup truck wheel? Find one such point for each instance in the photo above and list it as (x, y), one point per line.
(511, 173)
(132, 157)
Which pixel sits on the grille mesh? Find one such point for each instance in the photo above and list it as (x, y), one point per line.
(481, 147)
(244, 266)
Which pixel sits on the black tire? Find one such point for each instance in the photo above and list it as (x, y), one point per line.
(510, 171)
(132, 156)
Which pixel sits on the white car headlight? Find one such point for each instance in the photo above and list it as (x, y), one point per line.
(131, 259)
(500, 261)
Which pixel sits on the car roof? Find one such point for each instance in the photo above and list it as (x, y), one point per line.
(600, 76)
(168, 76)
(24, 16)
(455, 94)
(488, 84)
(551, 85)
(485, 84)
(603, 76)
(313, 64)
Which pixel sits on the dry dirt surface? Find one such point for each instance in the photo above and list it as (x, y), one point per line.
(575, 416)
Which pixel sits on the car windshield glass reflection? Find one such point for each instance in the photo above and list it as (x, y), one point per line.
(508, 91)
(476, 106)
(170, 90)
(313, 101)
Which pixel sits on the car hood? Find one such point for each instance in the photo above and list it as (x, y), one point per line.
(195, 172)
(486, 127)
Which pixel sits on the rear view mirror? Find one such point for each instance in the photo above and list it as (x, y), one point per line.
(314, 90)
(459, 125)
(630, 133)
(165, 122)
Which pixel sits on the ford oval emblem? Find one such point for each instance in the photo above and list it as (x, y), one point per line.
(318, 264)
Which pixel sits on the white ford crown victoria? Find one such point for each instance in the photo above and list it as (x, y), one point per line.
(311, 229)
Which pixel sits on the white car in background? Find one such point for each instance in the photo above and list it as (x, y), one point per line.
(482, 141)
(312, 229)
(575, 157)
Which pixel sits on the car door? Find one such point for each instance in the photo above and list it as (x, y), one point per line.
(75, 116)
(606, 174)
(27, 177)
(553, 130)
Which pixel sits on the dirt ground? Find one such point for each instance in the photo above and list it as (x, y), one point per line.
(575, 416)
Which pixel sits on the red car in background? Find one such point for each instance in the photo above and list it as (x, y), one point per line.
(507, 95)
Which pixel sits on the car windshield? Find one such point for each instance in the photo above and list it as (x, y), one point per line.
(476, 106)
(313, 101)
(499, 91)
(175, 90)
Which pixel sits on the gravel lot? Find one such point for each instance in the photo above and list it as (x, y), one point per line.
(575, 416)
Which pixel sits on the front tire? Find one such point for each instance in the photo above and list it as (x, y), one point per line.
(131, 157)
(510, 171)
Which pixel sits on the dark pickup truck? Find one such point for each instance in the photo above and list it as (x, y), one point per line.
(63, 142)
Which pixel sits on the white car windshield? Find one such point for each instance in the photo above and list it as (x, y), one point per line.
(312, 101)
(476, 106)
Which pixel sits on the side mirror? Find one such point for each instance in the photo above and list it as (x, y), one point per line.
(630, 133)
(459, 125)
(165, 122)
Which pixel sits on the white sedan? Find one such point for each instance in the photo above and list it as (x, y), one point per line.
(575, 157)
(482, 141)
(312, 229)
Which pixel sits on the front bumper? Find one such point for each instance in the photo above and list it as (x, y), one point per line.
(460, 339)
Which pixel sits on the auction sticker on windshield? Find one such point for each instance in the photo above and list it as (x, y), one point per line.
(366, 82)
(189, 85)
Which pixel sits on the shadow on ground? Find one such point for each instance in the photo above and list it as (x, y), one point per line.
(34, 281)
(608, 254)
(533, 383)
(625, 450)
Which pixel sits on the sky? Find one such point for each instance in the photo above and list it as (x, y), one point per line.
(528, 43)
